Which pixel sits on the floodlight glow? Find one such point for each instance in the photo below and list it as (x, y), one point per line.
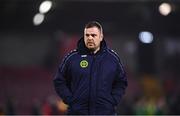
(45, 6)
(146, 37)
(165, 9)
(38, 19)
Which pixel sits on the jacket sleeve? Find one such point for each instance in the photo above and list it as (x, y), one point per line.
(61, 82)
(120, 83)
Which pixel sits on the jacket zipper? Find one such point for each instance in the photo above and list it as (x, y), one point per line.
(89, 104)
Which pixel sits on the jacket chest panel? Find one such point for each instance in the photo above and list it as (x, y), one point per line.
(81, 66)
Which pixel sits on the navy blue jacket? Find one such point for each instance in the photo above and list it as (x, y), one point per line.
(91, 83)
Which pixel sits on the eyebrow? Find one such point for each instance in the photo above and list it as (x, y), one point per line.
(91, 34)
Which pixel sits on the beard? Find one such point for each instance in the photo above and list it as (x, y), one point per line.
(92, 47)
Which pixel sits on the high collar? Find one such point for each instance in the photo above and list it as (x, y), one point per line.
(81, 47)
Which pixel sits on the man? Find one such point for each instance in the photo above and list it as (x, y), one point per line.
(91, 79)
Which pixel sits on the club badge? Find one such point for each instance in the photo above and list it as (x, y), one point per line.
(84, 64)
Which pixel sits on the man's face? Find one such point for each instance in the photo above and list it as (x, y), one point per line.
(93, 38)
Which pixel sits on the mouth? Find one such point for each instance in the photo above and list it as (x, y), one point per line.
(90, 43)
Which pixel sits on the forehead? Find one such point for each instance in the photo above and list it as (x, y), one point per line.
(91, 30)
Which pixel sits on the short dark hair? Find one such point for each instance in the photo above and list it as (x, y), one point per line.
(94, 24)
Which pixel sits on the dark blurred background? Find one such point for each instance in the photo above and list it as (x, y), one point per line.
(33, 41)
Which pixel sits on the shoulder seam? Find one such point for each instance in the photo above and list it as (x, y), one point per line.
(66, 58)
(113, 53)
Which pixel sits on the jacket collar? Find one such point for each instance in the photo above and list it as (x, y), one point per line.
(84, 50)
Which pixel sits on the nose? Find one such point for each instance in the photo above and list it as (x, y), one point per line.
(90, 37)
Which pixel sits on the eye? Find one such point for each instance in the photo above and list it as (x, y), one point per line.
(93, 35)
(87, 35)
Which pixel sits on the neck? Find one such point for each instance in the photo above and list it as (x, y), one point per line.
(95, 51)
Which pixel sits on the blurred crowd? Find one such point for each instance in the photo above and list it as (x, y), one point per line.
(29, 90)
(145, 95)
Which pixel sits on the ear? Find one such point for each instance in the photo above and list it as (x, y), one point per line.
(102, 36)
